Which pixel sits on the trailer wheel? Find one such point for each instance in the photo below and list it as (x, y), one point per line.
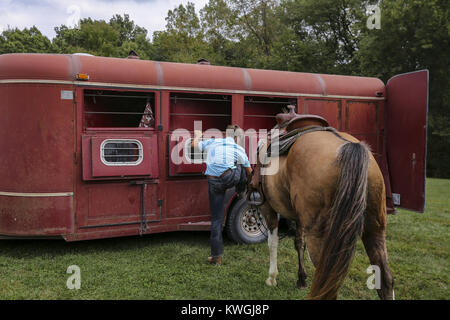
(245, 224)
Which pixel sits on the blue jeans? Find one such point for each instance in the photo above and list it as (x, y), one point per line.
(216, 191)
(217, 207)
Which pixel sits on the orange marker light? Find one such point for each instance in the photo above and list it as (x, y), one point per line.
(82, 76)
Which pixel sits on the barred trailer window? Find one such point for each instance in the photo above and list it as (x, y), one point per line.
(193, 155)
(121, 152)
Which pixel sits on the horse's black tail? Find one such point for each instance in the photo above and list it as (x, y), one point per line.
(346, 221)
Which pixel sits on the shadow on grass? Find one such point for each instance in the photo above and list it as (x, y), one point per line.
(30, 248)
(26, 248)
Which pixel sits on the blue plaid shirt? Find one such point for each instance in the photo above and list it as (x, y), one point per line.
(221, 155)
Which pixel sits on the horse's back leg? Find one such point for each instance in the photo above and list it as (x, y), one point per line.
(315, 242)
(271, 219)
(300, 247)
(314, 245)
(315, 234)
(374, 238)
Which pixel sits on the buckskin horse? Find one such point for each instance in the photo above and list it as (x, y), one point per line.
(329, 183)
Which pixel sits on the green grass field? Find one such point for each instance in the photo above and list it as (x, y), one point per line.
(173, 265)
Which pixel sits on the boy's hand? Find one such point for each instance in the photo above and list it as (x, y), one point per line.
(197, 136)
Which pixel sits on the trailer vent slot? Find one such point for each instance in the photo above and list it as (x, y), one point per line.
(121, 152)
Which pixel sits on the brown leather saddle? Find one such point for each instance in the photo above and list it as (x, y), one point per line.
(290, 125)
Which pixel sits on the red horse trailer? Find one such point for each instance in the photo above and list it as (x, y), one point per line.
(87, 142)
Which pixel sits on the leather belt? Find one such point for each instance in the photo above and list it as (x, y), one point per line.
(221, 176)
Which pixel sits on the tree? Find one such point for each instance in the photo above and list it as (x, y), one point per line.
(26, 40)
(183, 39)
(255, 20)
(415, 35)
(96, 37)
(128, 31)
(131, 37)
(242, 33)
(109, 39)
(218, 23)
(321, 35)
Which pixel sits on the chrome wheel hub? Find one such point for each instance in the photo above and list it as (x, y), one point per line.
(252, 223)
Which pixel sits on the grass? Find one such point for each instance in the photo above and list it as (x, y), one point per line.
(172, 265)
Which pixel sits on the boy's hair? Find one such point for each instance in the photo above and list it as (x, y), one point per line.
(233, 127)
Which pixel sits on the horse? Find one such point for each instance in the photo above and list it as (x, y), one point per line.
(330, 184)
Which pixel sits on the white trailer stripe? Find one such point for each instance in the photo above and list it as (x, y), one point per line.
(36, 194)
(156, 87)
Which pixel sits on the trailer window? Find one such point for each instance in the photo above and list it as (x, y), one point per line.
(214, 111)
(108, 108)
(260, 112)
(120, 152)
(193, 155)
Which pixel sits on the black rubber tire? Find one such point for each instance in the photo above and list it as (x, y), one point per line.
(236, 230)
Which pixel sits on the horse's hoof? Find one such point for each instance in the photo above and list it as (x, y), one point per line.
(271, 282)
(301, 284)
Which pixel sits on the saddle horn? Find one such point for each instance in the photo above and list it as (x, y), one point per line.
(285, 117)
(292, 120)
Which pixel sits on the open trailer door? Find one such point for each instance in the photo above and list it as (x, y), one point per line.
(407, 107)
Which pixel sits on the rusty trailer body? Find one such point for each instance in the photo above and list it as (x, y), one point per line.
(65, 170)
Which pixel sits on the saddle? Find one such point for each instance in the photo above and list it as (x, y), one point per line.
(291, 126)
(290, 121)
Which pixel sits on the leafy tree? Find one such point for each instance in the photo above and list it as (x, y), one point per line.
(131, 37)
(109, 39)
(415, 35)
(183, 39)
(321, 35)
(256, 21)
(128, 31)
(242, 33)
(96, 37)
(27, 40)
(219, 23)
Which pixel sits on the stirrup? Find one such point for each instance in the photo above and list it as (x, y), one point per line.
(255, 198)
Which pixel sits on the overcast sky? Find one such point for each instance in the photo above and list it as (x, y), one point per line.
(47, 14)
